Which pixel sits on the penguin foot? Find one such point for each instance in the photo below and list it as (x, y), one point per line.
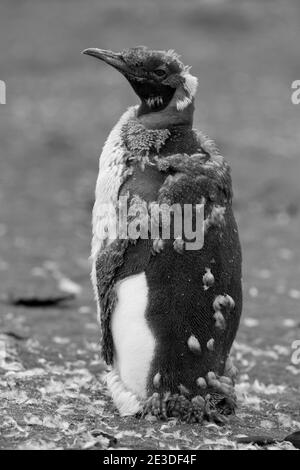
(196, 410)
(222, 385)
(214, 407)
(156, 405)
(175, 406)
(218, 407)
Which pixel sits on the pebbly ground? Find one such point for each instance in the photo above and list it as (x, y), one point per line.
(51, 382)
(59, 108)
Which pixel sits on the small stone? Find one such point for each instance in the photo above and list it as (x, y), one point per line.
(285, 253)
(289, 323)
(211, 344)
(253, 292)
(294, 294)
(264, 273)
(251, 322)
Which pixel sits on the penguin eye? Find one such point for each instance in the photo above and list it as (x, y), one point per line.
(160, 72)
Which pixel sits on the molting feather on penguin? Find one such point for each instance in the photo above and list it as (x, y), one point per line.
(168, 313)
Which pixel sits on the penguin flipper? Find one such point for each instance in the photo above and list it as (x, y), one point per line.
(121, 259)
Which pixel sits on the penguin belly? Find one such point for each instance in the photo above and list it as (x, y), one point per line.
(134, 342)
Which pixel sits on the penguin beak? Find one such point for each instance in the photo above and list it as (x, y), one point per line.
(112, 58)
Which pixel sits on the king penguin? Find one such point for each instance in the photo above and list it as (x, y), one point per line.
(168, 313)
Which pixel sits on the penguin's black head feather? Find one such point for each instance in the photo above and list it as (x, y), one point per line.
(159, 78)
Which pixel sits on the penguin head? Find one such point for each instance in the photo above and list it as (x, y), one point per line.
(159, 78)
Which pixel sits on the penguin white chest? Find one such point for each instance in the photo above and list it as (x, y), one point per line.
(134, 342)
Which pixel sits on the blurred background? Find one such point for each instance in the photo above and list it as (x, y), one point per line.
(61, 106)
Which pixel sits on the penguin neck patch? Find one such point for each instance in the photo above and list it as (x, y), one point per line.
(141, 141)
(112, 173)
